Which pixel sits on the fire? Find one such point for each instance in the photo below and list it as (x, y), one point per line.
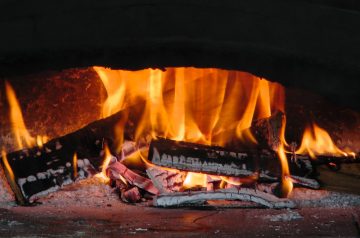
(195, 180)
(209, 106)
(75, 165)
(286, 183)
(107, 159)
(317, 141)
(7, 166)
(22, 135)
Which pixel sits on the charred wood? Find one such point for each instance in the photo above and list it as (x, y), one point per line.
(243, 194)
(40, 170)
(216, 160)
(118, 171)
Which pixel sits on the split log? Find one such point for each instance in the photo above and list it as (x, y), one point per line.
(267, 131)
(243, 194)
(166, 181)
(213, 159)
(117, 169)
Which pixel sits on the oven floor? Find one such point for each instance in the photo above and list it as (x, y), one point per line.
(134, 221)
(90, 208)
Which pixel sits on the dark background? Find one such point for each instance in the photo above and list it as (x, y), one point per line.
(301, 43)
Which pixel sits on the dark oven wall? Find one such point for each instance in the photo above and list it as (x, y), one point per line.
(303, 44)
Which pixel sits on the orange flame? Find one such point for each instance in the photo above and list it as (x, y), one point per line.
(317, 141)
(7, 166)
(75, 165)
(192, 104)
(209, 106)
(19, 129)
(286, 183)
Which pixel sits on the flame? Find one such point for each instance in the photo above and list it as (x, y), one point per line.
(75, 165)
(197, 105)
(107, 159)
(208, 106)
(286, 183)
(19, 129)
(317, 141)
(7, 166)
(195, 180)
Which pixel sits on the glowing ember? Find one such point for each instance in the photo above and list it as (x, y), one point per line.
(195, 180)
(317, 141)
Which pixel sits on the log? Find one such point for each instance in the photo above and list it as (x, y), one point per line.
(243, 194)
(267, 131)
(215, 160)
(39, 170)
(220, 161)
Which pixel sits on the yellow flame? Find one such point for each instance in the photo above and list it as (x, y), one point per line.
(19, 129)
(107, 159)
(317, 141)
(286, 183)
(195, 180)
(75, 165)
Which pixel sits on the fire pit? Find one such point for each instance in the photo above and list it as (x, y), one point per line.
(209, 137)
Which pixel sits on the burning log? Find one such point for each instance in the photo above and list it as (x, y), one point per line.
(243, 194)
(220, 161)
(40, 170)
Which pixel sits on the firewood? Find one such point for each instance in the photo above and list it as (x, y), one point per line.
(39, 170)
(117, 169)
(166, 181)
(267, 131)
(243, 194)
(132, 195)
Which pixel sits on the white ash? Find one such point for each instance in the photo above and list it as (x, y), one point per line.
(322, 198)
(289, 215)
(90, 192)
(7, 197)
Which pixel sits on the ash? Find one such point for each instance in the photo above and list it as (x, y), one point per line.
(93, 193)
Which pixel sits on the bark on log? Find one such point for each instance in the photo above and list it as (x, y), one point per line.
(220, 161)
(243, 194)
(215, 160)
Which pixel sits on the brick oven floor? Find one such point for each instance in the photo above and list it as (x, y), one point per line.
(123, 220)
(90, 208)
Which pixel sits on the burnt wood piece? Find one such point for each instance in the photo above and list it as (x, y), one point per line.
(40, 170)
(243, 194)
(117, 169)
(166, 181)
(220, 161)
(267, 131)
